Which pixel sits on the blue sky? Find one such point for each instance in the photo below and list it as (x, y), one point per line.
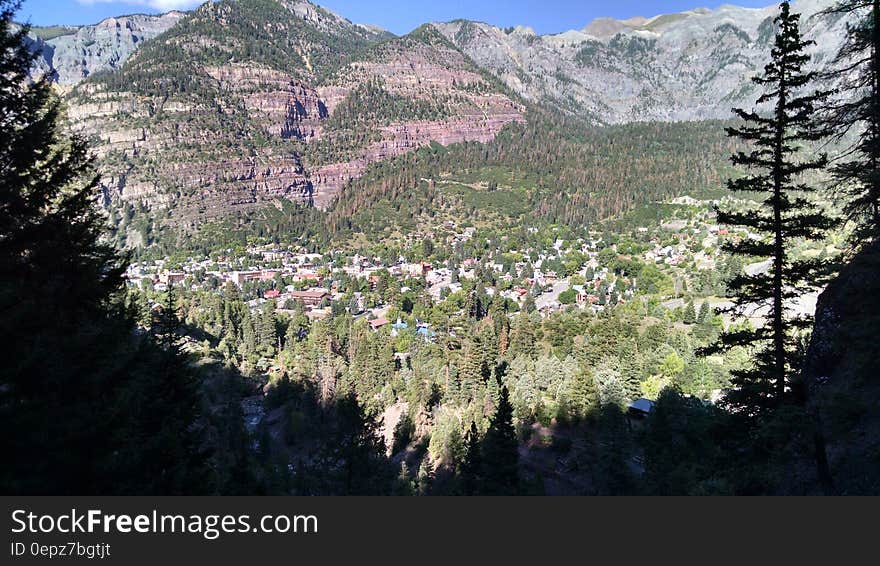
(399, 16)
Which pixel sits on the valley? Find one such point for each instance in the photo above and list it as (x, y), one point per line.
(292, 254)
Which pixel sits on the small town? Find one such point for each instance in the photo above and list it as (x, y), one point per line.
(526, 278)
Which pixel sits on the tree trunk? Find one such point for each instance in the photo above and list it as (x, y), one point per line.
(778, 243)
(874, 123)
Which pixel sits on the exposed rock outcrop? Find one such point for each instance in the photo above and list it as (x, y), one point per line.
(287, 108)
(842, 377)
(105, 46)
(688, 66)
(181, 129)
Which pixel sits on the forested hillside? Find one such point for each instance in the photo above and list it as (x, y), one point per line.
(554, 168)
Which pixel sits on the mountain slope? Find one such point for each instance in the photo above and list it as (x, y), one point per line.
(553, 169)
(688, 66)
(401, 95)
(243, 103)
(72, 54)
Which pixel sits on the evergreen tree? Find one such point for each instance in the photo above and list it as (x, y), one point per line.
(248, 336)
(88, 404)
(522, 337)
(351, 460)
(267, 329)
(488, 345)
(472, 463)
(165, 445)
(500, 457)
(426, 475)
(472, 306)
(529, 304)
(583, 394)
(705, 313)
(856, 70)
(774, 164)
(690, 313)
(471, 373)
(613, 475)
(166, 326)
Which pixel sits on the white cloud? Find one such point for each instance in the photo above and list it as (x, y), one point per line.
(164, 5)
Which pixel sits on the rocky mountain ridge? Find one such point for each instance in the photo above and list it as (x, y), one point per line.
(72, 57)
(692, 65)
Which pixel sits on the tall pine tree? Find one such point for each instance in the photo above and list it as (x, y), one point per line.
(774, 165)
(472, 463)
(500, 459)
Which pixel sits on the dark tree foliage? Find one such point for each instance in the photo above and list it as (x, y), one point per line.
(774, 165)
(87, 403)
(856, 71)
(684, 447)
(351, 458)
(472, 463)
(613, 473)
(500, 457)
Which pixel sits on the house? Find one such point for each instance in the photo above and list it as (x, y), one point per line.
(379, 323)
(240, 277)
(318, 314)
(581, 294)
(172, 278)
(272, 294)
(424, 330)
(416, 269)
(640, 408)
(306, 276)
(312, 297)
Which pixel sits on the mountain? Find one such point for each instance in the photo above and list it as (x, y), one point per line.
(242, 103)
(692, 65)
(71, 54)
(401, 95)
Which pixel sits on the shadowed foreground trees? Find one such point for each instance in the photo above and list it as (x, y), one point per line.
(88, 403)
(856, 70)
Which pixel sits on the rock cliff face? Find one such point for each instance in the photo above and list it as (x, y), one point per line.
(423, 69)
(106, 46)
(285, 107)
(841, 374)
(687, 66)
(239, 103)
(244, 103)
(193, 158)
